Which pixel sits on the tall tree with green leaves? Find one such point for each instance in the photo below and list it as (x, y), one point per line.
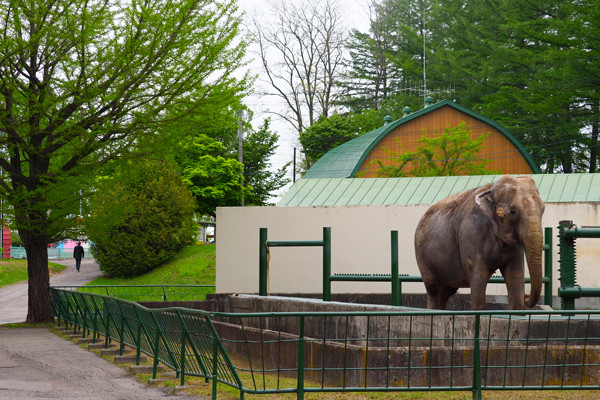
(85, 81)
(532, 67)
(528, 65)
(213, 176)
(384, 66)
(332, 131)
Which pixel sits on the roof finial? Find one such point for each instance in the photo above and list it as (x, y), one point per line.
(387, 120)
(407, 110)
(428, 101)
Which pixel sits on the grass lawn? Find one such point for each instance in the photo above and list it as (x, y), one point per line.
(14, 271)
(194, 265)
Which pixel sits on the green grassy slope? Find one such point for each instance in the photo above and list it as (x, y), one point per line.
(194, 265)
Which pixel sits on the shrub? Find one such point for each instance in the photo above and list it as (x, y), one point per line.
(140, 216)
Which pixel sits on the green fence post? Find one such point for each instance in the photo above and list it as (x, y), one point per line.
(300, 387)
(396, 299)
(215, 371)
(548, 266)
(476, 362)
(182, 359)
(567, 263)
(326, 263)
(263, 261)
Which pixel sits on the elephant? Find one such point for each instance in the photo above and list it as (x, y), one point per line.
(463, 239)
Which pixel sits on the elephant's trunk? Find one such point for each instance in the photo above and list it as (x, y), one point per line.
(533, 243)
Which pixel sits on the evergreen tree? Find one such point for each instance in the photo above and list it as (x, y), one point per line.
(262, 181)
(141, 215)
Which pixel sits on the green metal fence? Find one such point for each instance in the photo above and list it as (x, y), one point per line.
(394, 277)
(304, 352)
(139, 293)
(569, 290)
(18, 252)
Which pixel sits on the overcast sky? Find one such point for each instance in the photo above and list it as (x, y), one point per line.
(356, 15)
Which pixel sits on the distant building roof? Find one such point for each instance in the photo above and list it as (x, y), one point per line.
(345, 160)
(563, 188)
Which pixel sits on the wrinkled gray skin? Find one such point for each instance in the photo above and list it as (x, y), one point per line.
(463, 239)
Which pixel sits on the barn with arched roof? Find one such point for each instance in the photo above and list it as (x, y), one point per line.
(358, 157)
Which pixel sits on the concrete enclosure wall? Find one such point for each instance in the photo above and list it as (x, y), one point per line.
(360, 237)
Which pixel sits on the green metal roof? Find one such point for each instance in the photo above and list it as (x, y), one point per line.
(566, 188)
(345, 160)
(342, 161)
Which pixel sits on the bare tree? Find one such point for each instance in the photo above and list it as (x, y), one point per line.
(301, 50)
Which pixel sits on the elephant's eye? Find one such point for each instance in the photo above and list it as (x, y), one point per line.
(513, 212)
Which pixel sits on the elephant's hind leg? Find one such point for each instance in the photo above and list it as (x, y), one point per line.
(438, 295)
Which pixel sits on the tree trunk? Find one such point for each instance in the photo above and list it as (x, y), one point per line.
(39, 309)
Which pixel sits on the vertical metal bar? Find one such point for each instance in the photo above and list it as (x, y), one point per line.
(300, 387)
(323, 347)
(548, 266)
(396, 301)
(506, 349)
(452, 351)
(564, 366)
(584, 353)
(138, 339)
(279, 339)
(182, 359)
(567, 263)
(215, 372)
(546, 349)
(387, 353)
(326, 263)
(262, 351)
(262, 252)
(526, 350)
(410, 325)
(367, 351)
(430, 358)
(107, 323)
(345, 354)
(487, 348)
(476, 362)
(122, 333)
(156, 346)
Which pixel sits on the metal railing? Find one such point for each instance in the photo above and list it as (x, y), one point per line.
(139, 293)
(305, 352)
(569, 290)
(18, 252)
(395, 278)
(264, 258)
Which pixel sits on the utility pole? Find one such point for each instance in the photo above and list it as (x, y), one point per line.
(294, 173)
(241, 149)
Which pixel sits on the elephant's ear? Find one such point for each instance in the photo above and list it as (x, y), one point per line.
(485, 202)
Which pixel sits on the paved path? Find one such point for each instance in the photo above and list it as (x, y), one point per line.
(13, 298)
(37, 364)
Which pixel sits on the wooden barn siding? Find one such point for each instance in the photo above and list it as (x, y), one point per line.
(502, 154)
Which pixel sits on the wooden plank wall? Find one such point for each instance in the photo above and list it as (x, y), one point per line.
(500, 152)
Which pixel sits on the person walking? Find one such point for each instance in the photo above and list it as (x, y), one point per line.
(78, 255)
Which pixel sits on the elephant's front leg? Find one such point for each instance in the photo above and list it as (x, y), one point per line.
(479, 278)
(515, 284)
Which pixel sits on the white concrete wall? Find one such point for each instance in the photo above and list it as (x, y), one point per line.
(360, 244)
